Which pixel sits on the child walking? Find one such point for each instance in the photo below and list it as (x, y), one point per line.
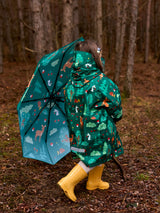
(93, 105)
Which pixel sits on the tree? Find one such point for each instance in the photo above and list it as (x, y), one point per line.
(47, 27)
(67, 27)
(155, 29)
(22, 37)
(75, 20)
(84, 12)
(43, 25)
(147, 31)
(98, 22)
(131, 48)
(121, 29)
(1, 39)
(118, 25)
(7, 28)
(109, 26)
(39, 42)
(28, 26)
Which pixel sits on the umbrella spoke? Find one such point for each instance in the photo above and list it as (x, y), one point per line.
(60, 109)
(48, 122)
(60, 99)
(61, 65)
(36, 117)
(39, 99)
(44, 82)
(60, 88)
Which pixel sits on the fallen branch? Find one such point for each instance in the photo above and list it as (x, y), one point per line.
(121, 168)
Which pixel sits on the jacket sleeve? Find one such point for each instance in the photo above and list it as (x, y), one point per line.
(112, 99)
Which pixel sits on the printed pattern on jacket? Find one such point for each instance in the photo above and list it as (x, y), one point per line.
(93, 105)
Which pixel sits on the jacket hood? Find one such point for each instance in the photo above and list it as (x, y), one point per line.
(84, 68)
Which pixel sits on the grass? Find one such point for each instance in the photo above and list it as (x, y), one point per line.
(142, 176)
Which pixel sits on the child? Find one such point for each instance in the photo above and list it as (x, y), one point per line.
(93, 105)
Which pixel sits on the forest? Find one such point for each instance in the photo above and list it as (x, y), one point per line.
(128, 32)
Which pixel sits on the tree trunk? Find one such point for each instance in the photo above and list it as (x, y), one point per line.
(118, 24)
(158, 32)
(140, 32)
(98, 22)
(22, 37)
(155, 36)
(67, 28)
(47, 23)
(131, 48)
(8, 30)
(93, 20)
(56, 9)
(84, 14)
(121, 17)
(39, 42)
(75, 20)
(88, 15)
(147, 31)
(1, 38)
(110, 12)
(28, 23)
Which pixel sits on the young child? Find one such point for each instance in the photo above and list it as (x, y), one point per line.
(93, 105)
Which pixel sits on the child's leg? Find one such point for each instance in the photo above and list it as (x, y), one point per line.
(68, 183)
(94, 179)
(86, 169)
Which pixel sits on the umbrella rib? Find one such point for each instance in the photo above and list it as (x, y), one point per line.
(38, 99)
(48, 122)
(44, 82)
(36, 117)
(45, 87)
(60, 109)
(60, 68)
(47, 132)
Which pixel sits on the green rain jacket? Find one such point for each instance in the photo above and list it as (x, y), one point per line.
(93, 105)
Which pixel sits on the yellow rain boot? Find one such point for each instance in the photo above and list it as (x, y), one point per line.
(94, 179)
(71, 180)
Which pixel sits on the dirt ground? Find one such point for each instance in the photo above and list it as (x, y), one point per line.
(28, 185)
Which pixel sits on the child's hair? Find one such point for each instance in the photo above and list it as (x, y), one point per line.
(90, 47)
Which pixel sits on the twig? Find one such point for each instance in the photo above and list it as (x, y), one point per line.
(141, 144)
(30, 50)
(20, 195)
(121, 168)
(29, 27)
(124, 199)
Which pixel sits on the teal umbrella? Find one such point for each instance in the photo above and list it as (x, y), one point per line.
(42, 121)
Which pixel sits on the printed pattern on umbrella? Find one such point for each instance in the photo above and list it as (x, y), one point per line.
(43, 126)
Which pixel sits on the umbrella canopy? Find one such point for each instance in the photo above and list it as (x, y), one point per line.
(43, 126)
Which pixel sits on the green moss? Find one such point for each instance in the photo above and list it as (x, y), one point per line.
(123, 96)
(44, 210)
(142, 176)
(158, 200)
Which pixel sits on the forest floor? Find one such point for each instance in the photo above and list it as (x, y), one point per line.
(28, 185)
